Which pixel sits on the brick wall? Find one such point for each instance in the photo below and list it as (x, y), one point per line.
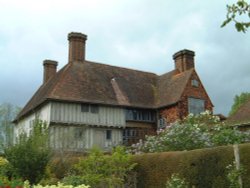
(180, 110)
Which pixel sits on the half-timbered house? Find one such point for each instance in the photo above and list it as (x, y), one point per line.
(88, 103)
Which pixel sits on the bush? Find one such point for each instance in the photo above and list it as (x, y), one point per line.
(99, 170)
(202, 168)
(29, 157)
(194, 132)
(59, 185)
(176, 182)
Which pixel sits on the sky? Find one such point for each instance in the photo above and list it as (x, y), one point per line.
(137, 34)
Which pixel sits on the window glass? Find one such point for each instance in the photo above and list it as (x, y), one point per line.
(196, 106)
(140, 115)
(79, 133)
(108, 134)
(85, 107)
(195, 83)
(94, 109)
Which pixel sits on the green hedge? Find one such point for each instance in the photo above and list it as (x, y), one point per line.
(203, 168)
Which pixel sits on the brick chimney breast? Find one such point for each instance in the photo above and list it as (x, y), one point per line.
(184, 60)
(49, 69)
(77, 43)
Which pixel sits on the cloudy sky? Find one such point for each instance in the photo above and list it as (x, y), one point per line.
(138, 34)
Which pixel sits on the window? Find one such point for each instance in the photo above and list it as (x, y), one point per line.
(196, 106)
(79, 133)
(85, 108)
(140, 115)
(93, 108)
(108, 134)
(162, 123)
(195, 83)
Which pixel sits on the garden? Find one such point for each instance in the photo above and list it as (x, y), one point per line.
(198, 151)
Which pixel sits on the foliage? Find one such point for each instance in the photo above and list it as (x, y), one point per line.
(59, 185)
(234, 174)
(235, 11)
(224, 135)
(239, 100)
(194, 132)
(99, 170)
(7, 114)
(200, 168)
(29, 157)
(4, 182)
(176, 182)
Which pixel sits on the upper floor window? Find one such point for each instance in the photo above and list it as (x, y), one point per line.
(93, 108)
(196, 106)
(195, 83)
(140, 115)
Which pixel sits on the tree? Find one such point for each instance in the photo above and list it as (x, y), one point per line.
(7, 114)
(239, 100)
(238, 13)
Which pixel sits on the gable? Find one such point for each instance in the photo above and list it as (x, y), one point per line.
(196, 91)
(171, 86)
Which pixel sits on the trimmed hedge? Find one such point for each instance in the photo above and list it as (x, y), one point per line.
(203, 168)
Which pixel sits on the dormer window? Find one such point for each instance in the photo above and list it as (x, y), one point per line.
(195, 83)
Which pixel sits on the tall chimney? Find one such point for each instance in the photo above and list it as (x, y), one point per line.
(184, 60)
(49, 69)
(76, 46)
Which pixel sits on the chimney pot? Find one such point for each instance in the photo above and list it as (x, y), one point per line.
(49, 69)
(77, 43)
(184, 60)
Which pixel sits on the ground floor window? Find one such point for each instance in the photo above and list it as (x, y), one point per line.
(108, 134)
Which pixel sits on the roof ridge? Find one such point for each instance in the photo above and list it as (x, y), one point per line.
(98, 63)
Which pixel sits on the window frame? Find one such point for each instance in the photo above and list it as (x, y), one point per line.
(195, 83)
(195, 108)
(109, 134)
(90, 108)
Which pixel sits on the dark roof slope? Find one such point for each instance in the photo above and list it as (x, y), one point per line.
(91, 82)
(171, 86)
(241, 116)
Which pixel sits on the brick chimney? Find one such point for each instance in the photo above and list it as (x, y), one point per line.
(49, 69)
(184, 60)
(77, 42)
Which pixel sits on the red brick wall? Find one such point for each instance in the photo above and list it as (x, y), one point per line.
(180, 110)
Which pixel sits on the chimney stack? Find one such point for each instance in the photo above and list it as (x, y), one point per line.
(77, 42)
(49, 69)
(184, 60)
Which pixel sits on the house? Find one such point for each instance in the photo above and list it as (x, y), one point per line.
(241, 118)
(88, 103)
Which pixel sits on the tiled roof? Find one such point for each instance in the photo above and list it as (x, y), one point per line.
(89, 82)
(241, 116)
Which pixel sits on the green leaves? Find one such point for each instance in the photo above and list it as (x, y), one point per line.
(99, 170)
(238, 13)
(194, 132)
(29, 157)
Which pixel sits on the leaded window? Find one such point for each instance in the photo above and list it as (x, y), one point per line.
(196, 106)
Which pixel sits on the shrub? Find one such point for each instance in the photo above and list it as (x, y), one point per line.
(59, 185)
(29, 157)
(194, 132)
(99, 170)
(176, 182)
(234, 174)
